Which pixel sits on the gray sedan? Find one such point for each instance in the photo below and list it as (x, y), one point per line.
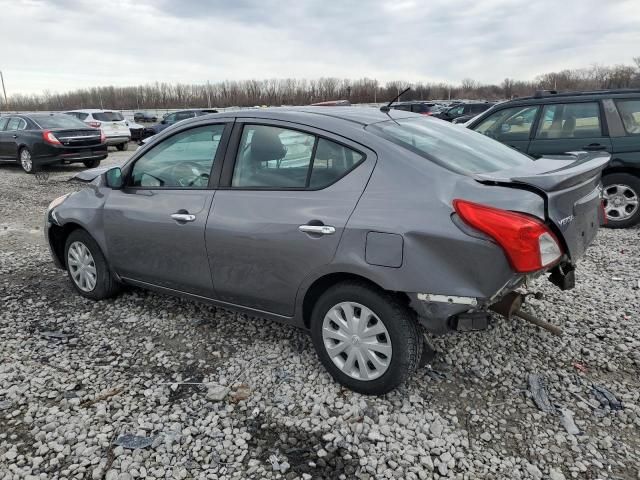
(365, 227)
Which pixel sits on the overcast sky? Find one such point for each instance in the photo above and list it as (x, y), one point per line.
(65, 44)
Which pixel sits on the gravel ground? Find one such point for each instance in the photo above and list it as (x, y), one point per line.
(214, 394)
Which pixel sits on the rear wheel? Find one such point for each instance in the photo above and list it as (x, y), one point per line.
(26, 162)
(123, 146)
(87, 267)
(366, 338)
(621, 194)
(91, 163)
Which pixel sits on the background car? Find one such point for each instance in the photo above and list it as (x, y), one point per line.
(41, 139)
(552, 123)
(175, 117)
(137, 131)
(112, 124)
(423, 108)
(145, 117)
(302, 230)
(471, 108)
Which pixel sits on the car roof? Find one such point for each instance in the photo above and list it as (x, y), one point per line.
(552, 96)
(91, 110)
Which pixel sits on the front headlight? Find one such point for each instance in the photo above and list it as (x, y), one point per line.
(54, 204)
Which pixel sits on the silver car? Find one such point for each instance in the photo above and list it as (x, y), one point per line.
(364, 227)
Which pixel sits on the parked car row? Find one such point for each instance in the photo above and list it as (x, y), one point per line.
(302, 230)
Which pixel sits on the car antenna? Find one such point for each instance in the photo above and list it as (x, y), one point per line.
(387, 107)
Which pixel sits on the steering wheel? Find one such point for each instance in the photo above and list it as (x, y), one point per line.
(186, 174)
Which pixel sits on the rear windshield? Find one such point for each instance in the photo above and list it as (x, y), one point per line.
(108, 116)
(58, 121)
(454, 147)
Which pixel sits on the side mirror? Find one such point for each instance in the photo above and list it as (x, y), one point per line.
(113, 178)
(163, 122)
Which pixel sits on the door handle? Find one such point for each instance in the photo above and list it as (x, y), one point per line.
(595, 146)
(14, 136)
(318, 229)
(183, 217)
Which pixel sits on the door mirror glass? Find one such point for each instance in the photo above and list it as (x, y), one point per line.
(113, 178)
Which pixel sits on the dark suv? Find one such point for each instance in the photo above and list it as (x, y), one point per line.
(552, 123)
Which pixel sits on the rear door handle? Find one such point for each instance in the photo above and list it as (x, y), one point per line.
(318, 229)
(15, 136)
(595, 146)
(183, 217)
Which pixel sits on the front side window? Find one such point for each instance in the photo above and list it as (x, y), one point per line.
(170, 118)
(3, 123)
(458, 149)
(184, 115)
(570, 120)
(183, 160)
(456, 110)
(509, 124)
(630, 114)
(279, 158)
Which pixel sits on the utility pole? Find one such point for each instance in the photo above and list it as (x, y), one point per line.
(208, 94)
(6, 102)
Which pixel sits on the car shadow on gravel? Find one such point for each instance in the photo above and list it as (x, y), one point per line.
(273, 442)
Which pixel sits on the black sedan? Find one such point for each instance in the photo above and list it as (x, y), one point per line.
(41, 139)
(145, 117)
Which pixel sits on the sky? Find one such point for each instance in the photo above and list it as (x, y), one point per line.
(61, 45)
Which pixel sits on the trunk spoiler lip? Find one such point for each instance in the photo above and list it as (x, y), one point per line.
(575, 168)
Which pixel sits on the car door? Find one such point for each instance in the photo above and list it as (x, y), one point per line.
(567, 127)
(511, 126)
(286, 194)
(9, 139)
(154, 225)
(4, 136)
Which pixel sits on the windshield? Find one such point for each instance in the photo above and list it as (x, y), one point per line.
(459, 149)
(58, 121)
(108, 116)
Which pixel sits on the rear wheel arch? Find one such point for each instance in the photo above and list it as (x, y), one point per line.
(325, 282)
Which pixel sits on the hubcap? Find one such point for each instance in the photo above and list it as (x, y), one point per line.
(82, 266)
(25, 160)
(620, 202)
(357, 341)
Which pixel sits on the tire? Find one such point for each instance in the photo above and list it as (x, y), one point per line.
(123, 146)
(622, 199)
(26, 162)
(91, 163)
(104, 285)
(401, 333)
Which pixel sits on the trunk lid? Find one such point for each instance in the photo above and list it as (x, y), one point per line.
(78, 137)
(570, 185)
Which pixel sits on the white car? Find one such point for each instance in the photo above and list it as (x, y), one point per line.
(112, 124)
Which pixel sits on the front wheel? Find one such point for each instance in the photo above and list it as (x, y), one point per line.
(26, 162)
(366, 338)
(91, 163)
(87, 267)
(621, 192)
(123, 146)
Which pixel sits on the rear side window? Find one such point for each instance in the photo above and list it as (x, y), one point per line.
(630, 114)
(22, 124)
(13, 123)
(108, 116)
(570, 120)
(279, 158)
(509, 124)
(184, 115)
(458, 149)
(3, 123)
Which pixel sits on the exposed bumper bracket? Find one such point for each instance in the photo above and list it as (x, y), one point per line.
(428, 297)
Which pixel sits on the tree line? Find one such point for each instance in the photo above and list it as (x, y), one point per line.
(289, 91)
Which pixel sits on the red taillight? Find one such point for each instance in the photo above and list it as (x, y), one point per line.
(527, 242)
(94, 124)
(50, 138)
